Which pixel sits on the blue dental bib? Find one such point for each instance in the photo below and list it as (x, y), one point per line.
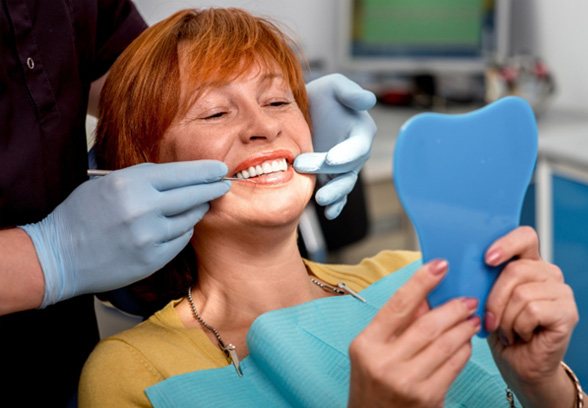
(298, 357)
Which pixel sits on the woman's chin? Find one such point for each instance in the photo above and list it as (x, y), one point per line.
(254, 215)
(262, 207)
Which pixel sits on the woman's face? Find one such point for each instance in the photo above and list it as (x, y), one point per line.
(255, 127)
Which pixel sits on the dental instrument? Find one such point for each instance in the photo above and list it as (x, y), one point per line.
(99, 173)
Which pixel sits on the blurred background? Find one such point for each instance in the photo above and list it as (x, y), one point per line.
(449, 56)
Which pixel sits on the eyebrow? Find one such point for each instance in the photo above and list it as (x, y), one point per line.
(265, 78)
(271, 76)
(269, 79)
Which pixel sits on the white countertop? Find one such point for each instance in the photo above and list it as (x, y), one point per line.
(563, 137)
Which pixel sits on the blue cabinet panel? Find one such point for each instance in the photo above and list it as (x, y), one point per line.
(570, 253)
(528, 210)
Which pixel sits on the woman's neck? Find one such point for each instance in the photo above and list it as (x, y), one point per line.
(241, 276)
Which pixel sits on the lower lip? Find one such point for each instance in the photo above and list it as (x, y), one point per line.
(270, 179)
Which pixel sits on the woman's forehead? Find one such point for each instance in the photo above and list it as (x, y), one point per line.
(193, 81)
(248, 65)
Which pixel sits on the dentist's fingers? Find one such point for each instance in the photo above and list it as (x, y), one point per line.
(180, 200)
(351, 94)
(166, 176)
(332, 211)
(356, 147)
(316, 163)
(174, 245)
(309, 162)
(180, 224)
(336, 189)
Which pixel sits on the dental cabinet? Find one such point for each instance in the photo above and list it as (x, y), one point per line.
(561, 198)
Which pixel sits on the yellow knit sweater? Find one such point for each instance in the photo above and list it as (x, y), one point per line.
(122, 366)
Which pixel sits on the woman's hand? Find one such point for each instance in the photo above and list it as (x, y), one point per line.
(409, 355)
(531, 314)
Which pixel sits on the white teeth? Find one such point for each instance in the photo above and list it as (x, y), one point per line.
(270, 166)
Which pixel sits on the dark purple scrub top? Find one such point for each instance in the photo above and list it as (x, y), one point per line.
(50, 52)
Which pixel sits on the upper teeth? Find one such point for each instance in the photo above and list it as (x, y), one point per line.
(270, 166)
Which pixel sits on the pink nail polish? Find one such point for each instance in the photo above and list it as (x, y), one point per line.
(493, 256)
(475, 320)
(438, 267)
(490, 320)
(471, 303)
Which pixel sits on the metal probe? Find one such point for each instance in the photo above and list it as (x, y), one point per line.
(98, 173)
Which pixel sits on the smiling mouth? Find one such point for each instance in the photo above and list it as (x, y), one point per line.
(265, 168)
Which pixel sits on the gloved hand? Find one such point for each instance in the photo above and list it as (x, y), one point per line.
(114, 230)
(343, 133)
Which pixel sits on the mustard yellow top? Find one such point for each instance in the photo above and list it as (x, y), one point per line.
(122, 366)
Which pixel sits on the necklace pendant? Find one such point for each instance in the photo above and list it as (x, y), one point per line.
(231, 352)
(347, 289)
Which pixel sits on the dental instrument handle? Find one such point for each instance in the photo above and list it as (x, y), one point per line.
(99, 173)
(96, 172)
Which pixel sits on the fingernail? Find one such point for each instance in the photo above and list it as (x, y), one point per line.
(471, 303)
(438, 267)
(475, 321)
(490, 320)
(493, 256)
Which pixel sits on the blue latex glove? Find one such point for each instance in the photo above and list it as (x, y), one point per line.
(114, 230)
(343, 133)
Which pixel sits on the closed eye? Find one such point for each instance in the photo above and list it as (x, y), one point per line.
(279, 103)
(215, 115)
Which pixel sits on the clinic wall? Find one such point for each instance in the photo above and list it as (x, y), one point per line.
(555, 30)
(563, 41)
(310, 22)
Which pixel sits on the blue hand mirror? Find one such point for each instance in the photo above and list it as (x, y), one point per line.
(461, 180)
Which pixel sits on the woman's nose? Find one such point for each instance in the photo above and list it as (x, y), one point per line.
(260, 125)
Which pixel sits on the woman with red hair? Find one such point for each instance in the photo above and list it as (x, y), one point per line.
(221, 84)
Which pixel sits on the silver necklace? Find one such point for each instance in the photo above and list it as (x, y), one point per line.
(340, 289)
(229, 349)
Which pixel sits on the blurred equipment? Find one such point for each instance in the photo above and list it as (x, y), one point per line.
(422, 37)
(425, 54)
(521, 75)
(320, 237)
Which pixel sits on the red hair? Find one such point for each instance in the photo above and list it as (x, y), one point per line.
(142, 96)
